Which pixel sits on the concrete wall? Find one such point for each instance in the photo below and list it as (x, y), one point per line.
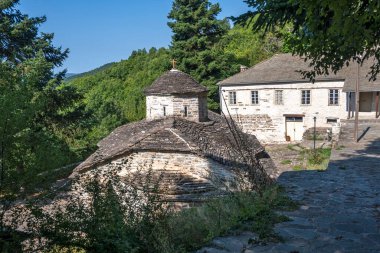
(175, 106)
(267, 121)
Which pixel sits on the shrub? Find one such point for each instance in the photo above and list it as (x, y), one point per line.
(316, 157)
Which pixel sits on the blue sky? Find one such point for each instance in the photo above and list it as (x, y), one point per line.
(100, 31)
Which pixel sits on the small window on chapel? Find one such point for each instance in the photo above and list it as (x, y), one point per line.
(185, 111)
(164, 109)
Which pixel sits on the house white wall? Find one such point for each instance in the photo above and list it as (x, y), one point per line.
(267, 121)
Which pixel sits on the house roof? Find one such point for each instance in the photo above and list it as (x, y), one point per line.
(212, 139)
(285, 68)
(175, 82)
(351, 73)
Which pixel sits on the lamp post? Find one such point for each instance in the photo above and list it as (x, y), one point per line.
(315, 126)
(357, 103)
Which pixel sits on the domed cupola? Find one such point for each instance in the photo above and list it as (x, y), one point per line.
(176, 94)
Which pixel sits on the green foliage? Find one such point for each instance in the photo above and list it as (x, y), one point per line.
(114, 96)
(316, 157)
(108, 225)
(196, 33)
(329, 33)
(286, 162)
(194, 227)
(250, 48)
(32, 102)
(91, 72)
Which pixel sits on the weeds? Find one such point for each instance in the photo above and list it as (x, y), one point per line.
(192, 228)
(286, 162)
(314, 159)
(105, 222)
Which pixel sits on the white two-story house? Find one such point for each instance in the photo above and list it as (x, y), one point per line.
(273, 101)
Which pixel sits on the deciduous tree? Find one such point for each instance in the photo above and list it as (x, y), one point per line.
(329, 33)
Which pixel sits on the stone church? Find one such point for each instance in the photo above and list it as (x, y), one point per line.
(196, 152)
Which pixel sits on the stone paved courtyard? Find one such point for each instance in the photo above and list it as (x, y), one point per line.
(340, 207)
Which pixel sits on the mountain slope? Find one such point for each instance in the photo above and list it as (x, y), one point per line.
(113, 94)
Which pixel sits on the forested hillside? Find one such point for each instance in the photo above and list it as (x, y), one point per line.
(47, 124)
(113, 95)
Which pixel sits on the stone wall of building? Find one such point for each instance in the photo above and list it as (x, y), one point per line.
(184, 177)
(267, 119)
(190, 102)
(203, 109)
(155, 107)
(260, 125)
(196, 106)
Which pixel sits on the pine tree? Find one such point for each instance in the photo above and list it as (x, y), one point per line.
(32, 100)
(196, 33)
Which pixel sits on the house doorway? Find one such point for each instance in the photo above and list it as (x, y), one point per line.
(365, 102)
(294, 128)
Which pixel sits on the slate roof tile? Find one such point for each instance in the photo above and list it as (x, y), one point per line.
(285, 68)
(174, 82)
(212, 139)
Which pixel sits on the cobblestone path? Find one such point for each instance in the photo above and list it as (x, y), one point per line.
(340, 207)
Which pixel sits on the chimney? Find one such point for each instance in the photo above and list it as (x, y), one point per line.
(243, 68)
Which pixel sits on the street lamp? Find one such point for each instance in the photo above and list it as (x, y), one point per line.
(357, 103)
(315, 126)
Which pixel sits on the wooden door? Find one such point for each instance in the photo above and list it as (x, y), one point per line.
(365, 101)
(294, 128)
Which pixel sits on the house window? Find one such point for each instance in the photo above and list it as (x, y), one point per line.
(332, 120)
(333, 97)
(278, 99)
(164, 108)
(305, 97)
(185, 111)
(232, 97)
(255, 97)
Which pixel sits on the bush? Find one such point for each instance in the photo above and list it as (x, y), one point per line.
(108, 224)
(318, 156)
(194, 227)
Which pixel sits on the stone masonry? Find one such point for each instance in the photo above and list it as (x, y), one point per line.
(175, 106)
(182, 177)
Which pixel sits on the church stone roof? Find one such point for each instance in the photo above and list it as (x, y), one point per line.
(212, 139)
(286, 68)
(174, 82)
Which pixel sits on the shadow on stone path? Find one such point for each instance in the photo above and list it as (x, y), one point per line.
(340, 207)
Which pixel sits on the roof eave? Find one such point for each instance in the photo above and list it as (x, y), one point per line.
(175, 93)
(281, 82)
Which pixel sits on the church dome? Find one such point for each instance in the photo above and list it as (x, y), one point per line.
(174, 82)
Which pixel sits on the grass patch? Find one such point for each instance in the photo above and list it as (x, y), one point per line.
(109, 224)
(318, 156)
(286, 162)
(195, 227)
(295, 147)
(297, 167)
(317, 159)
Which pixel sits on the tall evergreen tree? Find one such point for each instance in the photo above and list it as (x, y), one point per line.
(34, 106)
(196, 32)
